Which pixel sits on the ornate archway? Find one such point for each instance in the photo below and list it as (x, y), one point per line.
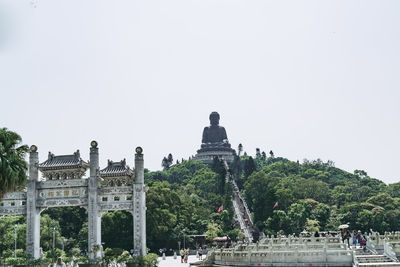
(64, 184)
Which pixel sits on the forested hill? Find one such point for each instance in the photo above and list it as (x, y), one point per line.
(184, 200)
(311, 195)
(314, 195)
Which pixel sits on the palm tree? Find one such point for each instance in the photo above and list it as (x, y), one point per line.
(13, 166)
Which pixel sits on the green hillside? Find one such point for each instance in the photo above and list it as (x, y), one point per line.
(184, 198)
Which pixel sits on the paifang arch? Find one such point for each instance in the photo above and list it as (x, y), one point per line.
(63, 185)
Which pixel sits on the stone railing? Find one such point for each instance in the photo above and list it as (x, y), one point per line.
(299, 240)
(246, 258)
(377, 241)
(392, 250)
(389, 252)
(287, 251)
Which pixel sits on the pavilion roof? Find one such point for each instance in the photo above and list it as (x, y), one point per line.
(116, 169)
(63, 162)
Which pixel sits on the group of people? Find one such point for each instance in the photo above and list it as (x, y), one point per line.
(357, 239)
(184, 253)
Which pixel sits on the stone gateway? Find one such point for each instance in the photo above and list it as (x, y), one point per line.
(63, 184)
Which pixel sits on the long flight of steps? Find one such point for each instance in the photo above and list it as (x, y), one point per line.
(372, 260)
(241, 210)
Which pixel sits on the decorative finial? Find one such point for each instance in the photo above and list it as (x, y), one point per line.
(139, 150)
(33, 148)
(93, 144)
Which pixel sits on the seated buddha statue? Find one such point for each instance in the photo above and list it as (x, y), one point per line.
(214, 135)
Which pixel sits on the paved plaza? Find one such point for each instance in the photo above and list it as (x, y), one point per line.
(170, 261)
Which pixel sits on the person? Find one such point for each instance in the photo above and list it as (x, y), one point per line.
(316, 234)
(347, 236)
(355, 240)
(60, 263)
(364, 243)
(186, 255)
(182, 253)
(200, 254)
(373, 233)
(359, 237)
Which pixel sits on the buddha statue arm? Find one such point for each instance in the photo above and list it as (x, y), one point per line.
(205, 136)
(224, 136)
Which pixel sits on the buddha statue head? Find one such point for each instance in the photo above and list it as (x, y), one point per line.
(214, 118)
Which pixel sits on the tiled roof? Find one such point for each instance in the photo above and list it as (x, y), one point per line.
(63, 162)
(116, 169)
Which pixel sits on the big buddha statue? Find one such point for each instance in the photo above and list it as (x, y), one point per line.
(214, 135)
(214, 142)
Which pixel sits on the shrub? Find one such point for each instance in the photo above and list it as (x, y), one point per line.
(125, 256)
(151, 260)
(15, 261)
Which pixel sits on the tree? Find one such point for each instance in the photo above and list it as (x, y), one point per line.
(213, 230)
(271, 153)
(240, 149)
(219, 168)
(165, 164)
(121, 238)
(13, 166)
(263, 155)
(259, 192)
(258, 153)
(170, 159)
(249, 167)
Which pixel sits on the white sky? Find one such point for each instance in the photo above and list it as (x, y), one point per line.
(307, 79)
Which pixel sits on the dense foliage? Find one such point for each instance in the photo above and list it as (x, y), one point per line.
(314, 195)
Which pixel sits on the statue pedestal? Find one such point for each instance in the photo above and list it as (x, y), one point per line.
(207, 155)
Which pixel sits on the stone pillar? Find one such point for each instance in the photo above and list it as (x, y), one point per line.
(94, 216)
(32, 212)
(139, 205)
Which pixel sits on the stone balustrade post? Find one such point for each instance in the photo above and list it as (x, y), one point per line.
(94, 215)
(32, 211)
(139, 205)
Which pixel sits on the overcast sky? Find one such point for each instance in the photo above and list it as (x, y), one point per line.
(306, 79)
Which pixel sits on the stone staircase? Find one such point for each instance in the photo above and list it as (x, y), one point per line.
(372, 260)
(242, 212)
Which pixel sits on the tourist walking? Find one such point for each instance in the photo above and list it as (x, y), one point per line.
(60, 263)
(200, 254)
(364, 244)
(354, 240)
(185, 259)
(347, 237)
(359, 237)
(182, 253)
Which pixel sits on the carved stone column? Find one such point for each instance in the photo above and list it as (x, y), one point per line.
(94, 216)
(139, 205)
(32, 212)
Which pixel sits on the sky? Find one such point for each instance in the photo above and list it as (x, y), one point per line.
(305, 79)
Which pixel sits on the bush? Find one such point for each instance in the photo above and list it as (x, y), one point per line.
(117, 252)
(75, 252)
(108, 255)
(8, 253)
(125, 256)
(151, 260)
(53, 254)
(15, 261)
